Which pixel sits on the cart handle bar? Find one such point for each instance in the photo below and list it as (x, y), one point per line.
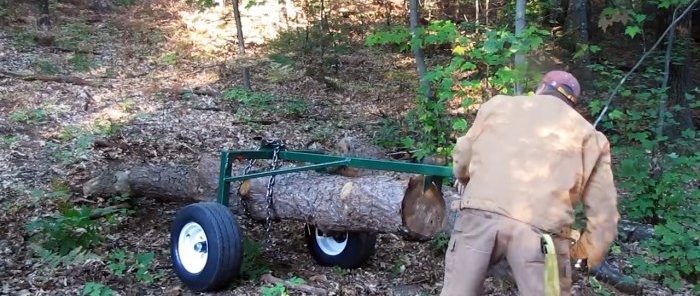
(319, 161)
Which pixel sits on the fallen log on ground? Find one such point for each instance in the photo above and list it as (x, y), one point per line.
(613, 277)
(49, 78)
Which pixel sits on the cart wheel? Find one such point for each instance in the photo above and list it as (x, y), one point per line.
(206, 247)
(345, 250)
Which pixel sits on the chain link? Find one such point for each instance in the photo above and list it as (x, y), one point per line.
(270, 189)
(277, 146)
(246, 170)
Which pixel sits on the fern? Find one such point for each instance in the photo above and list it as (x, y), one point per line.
(54, 260)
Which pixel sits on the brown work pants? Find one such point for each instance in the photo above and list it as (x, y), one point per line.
(481, 239)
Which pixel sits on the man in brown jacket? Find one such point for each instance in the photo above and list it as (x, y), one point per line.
(523, 166)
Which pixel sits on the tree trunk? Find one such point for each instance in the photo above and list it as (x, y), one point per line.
(581, 13)
(241, 43)
(520, 7)
(680, 82)
(44, 14)
(418, 49)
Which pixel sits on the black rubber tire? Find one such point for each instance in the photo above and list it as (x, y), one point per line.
(359, 248)
(224, 246)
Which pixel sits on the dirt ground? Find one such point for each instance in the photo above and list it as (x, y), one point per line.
(155, 96)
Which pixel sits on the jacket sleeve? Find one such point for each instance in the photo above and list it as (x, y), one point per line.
(462, 152)
(600, 203)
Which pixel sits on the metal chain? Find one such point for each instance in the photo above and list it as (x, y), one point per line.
(246, 170)
(270, 189)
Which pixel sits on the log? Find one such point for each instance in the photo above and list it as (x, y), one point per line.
(166, 183)
(50, 78)
(630, 231)
(613, 277)
(373, 203)
(380, 204)
(270, 279)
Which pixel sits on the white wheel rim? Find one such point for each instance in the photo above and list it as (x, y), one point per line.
(192, 247)
(330, 245)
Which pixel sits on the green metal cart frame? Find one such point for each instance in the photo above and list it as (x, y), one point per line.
(205, 238)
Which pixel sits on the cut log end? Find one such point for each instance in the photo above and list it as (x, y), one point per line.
(423, 211)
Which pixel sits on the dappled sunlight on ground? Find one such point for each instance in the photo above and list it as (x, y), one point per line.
(214, 29)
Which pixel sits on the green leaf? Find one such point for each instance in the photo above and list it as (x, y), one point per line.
(460, 124)
(615, 114)
(459, 50)
(640, 17)
(632, 31)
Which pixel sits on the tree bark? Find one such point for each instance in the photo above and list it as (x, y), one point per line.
(581, 13)
(520, 7)
(418, 49)
(44, 18)
(241, 43)
(380, 204)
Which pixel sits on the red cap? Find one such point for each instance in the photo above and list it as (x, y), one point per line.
(558, 78)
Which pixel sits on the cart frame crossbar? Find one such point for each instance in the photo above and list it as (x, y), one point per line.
(319, 161)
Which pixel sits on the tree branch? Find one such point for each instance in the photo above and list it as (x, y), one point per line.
(617, 88)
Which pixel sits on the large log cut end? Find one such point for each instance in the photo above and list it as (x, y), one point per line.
(423, 210)
(375, 203)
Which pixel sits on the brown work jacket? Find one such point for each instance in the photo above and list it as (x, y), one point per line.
(534, 158)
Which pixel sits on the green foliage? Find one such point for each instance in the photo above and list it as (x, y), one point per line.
(24, 38)
(259, 103)
(201, 4)
(254, 264)
(105, 127)
(396, 35)
(279, 289)
(246, 97)
(126, 3)
(485, 59)
(123, 262)
(81, 62)
(66, 231)
(169, 58)
(657, 172)
(117, 262)
(8, 141)
(599, 288)
(75, 36)
(340, 271)
(79, 146)
(33, 116)
(389, 134)
(54, 260)
(441, 241)
(97, 289)
(46, 67)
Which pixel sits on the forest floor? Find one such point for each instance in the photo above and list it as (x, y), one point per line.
(151, 96)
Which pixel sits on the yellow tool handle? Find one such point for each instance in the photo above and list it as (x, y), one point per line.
(551, 268)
